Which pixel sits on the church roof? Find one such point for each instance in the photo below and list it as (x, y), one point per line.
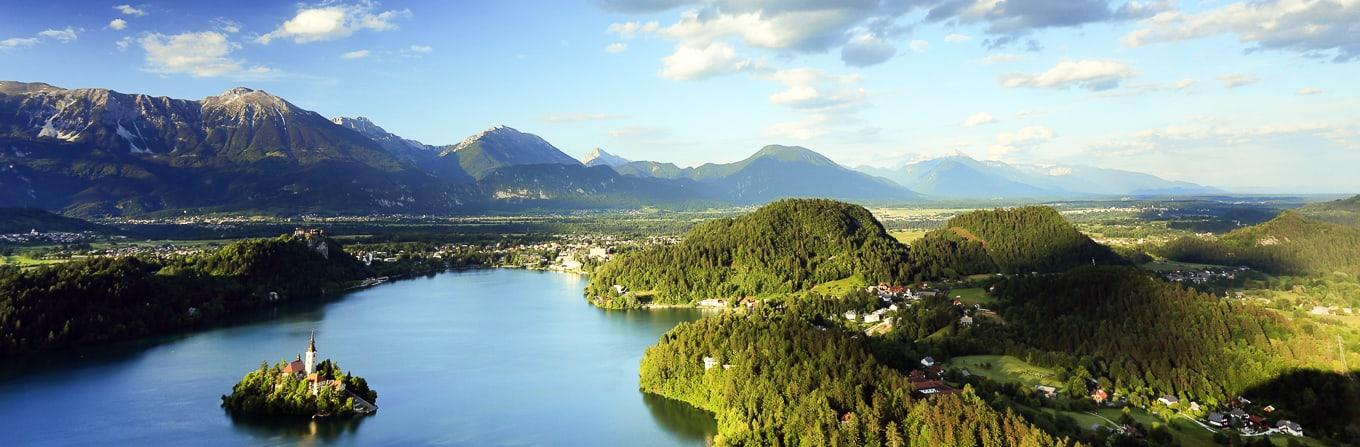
(294, 366)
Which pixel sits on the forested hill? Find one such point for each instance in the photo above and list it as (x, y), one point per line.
(783, 382)
(1015, 240)
(104, 300)
(1147, 337)
(786, 246)
(1288, 244)
(1344, 211)
(23, 220)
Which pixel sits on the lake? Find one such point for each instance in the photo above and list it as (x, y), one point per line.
(483, 357)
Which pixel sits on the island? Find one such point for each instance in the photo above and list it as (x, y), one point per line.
(301, 388)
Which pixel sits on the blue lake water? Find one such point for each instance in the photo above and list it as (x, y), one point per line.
(487, 357)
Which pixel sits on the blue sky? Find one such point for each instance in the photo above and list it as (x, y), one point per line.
(1252, 96)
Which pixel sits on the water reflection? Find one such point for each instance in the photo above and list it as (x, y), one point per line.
(297, 431)
(681, 419)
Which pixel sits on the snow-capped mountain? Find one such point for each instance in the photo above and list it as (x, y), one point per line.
(598, 157)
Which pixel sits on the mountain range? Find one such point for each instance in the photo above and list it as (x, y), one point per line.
(98, 152)
(959, 176)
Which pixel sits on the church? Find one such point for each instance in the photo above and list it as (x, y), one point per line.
(305, 368)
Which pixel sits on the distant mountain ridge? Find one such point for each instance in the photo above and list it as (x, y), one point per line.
(960, 176)
(776, 172)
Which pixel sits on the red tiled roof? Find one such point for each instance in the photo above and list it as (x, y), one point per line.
(295, 366)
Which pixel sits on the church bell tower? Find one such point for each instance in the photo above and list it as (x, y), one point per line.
(311, 354)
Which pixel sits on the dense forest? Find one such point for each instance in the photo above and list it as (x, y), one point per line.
(792, 245)
(267, 391)
(779, 380)
(1288, 244)
(1146, 337)
(784, 247)
(102, 300)
(1026, 239)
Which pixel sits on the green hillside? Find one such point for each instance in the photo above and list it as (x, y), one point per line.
(1288, 244)
(1014, 240)
(1344, 211)
(787, 246)
(783, 382)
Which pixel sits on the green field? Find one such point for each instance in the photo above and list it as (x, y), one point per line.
(1167, 265)
(840, 287)
(907, 236)
(24, 261)
(1005, 368)
(973, 295)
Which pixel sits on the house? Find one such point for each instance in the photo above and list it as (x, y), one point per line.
(1168, 400)
(1218, 420)
(873, 317)
(713, 302)
(1289, 427)
(709, 363)
(935, 371)
(619, 289)
(1100, 396)
(851, 315)
(1269, 409)
(1237, 415)
(928, 361)
(928, 388)
(966, 320)
(1046, 391)
(916, 375)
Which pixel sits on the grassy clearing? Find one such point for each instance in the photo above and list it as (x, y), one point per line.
(972, 295)
(840, 287)
(907, 236)
(1005, 368)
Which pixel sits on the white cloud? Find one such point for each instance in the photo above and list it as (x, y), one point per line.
(123, 43)
(1217, 136)
(1305, 26)
(813, 89)
(356, 54)
(616, 47)
(1235, 80)
(919, 46)
(314, 24)
(1308, 91)
(866, 49)
(226, 25)
(61, 35)
(629, 30)
(957, 38)
(1008, 143)
(416, 50)
(1001, 58)
(579, 117)
(807, 128)
(978, 119)
(1088, 74)
(1030, 113)
(200, 54)
(18, 42)
(130, 10)
(693, 63)
(118, 24)
(1183, 84)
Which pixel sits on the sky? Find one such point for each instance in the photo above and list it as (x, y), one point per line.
(1250, 96)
